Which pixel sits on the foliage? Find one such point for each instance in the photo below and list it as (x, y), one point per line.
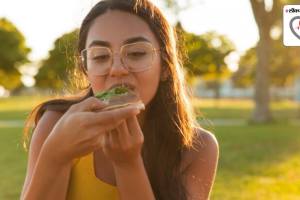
(204, 54)
(13, 53)
(283, 68)
(55, 70)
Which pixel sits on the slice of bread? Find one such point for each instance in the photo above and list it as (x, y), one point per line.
(119, 97)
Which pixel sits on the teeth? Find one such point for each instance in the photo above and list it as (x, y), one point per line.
(124, 85)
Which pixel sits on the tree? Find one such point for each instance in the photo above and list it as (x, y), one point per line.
(205, 56)
(267, 17)
(13, 53)
(245, 75)
(284, 66)
(54, 71)
(176, 7)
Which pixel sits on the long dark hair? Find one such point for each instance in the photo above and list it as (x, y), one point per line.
(169, 125)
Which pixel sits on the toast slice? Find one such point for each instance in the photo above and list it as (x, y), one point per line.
(118, 97)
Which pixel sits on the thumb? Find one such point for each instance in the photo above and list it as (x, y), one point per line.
(96, 105)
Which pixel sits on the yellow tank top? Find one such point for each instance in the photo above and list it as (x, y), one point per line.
(84, 185)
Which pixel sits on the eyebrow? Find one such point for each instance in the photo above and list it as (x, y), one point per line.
(128, 41)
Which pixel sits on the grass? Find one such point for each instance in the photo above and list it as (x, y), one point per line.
(242, 109)
(256, 161)
(17, 108)
(12, 163)
(19, 103)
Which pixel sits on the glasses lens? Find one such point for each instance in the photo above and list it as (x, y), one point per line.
(98, 60)
(138, 56)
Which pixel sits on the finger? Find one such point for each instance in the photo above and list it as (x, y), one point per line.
(89, 104)
(98, 142)
(123, 133)
(113, 138)
(113, 116)
(87, 120)
(134, 127)
(122, 128)
(96, 132)
(105, 141)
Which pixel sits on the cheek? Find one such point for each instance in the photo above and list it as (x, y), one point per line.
(147, 86)
(97, 83)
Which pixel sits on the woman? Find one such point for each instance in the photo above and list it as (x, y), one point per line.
(124, 153)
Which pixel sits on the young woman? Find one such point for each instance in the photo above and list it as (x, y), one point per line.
(125, 153)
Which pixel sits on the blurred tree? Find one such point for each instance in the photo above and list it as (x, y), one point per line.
(284, 66)
(267, 14)
(205, 53)
(204, 56)
(13, 53)
(244, 76)
(54, 71)
(176, 7)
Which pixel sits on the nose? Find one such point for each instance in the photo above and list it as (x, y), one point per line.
(117, 66)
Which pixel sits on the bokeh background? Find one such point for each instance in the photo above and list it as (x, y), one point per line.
(245, 85)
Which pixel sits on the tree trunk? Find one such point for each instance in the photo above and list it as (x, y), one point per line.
(217, 90)
(264, 23)
(217, 85)
(262, 97)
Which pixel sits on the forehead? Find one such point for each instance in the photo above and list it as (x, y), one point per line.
(116, 26)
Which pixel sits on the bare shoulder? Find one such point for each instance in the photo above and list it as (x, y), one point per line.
(205, 146)
(46, 123)
(205, 141)
(202, 165)
(42, 131)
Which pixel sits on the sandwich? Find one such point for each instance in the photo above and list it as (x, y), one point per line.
(118, 97)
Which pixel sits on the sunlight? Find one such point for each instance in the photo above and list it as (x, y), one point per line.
(40, 33)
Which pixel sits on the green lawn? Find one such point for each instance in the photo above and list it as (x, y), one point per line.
(12, 163)
(256, 161)
(242, 109)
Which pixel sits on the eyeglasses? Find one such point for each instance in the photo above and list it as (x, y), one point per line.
(135, 57)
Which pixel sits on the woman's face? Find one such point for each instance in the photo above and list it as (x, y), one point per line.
(115, 29)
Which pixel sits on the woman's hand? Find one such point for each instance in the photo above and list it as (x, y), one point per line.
(79, 131)
(123, 145)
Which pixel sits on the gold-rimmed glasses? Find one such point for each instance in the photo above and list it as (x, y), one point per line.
(135, 57)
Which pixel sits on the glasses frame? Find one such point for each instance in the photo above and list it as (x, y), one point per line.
(84, 61)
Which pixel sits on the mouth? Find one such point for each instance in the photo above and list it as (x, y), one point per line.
(127, 85)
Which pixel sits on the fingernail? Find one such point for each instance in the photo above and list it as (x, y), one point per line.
(140, 106)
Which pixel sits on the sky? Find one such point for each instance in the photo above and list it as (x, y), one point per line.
(43, 21)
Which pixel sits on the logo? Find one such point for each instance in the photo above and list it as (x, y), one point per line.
(291, 25)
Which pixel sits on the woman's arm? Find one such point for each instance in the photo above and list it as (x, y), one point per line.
(75, 134)
(44, 180)
(133, 182)
(49, 180)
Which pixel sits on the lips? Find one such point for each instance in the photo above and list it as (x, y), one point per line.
(127, 85)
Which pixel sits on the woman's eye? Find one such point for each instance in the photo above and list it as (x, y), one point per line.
(136, 54)
(101, 57)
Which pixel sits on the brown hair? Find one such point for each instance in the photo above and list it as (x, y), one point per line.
(169, 126)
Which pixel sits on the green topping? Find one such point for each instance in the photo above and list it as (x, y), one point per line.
(117, 91)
